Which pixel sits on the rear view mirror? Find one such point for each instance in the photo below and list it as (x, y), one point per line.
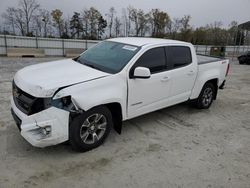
(142, 72)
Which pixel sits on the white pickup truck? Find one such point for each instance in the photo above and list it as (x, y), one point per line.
(79, 100)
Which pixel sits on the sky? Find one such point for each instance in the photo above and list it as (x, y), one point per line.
(202, 11)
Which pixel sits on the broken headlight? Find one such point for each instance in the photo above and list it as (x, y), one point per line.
(63, 103)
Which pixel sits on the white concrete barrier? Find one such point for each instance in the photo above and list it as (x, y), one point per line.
(73, 52)
(25, 52)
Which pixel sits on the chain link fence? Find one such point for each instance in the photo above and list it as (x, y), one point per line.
(51, 46)
(58, 47)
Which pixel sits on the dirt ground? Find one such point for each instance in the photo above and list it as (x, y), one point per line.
(173, 147)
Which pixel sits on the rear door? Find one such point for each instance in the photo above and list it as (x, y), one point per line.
(183, 72)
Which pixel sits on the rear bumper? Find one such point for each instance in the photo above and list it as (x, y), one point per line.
(33, 128)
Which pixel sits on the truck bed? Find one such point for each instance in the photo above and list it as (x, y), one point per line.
(203, 59)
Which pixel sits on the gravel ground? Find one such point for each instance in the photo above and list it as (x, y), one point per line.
(173, 147)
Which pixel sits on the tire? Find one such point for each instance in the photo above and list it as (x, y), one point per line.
(206, 96)
(241, 62)
(90, 129)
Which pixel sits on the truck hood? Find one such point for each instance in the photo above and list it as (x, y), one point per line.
(42, 80)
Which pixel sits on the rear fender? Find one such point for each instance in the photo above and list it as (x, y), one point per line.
(201, 80)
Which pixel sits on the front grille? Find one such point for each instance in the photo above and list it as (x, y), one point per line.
(25, 102)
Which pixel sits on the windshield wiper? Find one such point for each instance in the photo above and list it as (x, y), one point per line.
(78, 60)
(92, 66)
(89, 65)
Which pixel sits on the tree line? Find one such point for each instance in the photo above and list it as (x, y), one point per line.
(30, 19)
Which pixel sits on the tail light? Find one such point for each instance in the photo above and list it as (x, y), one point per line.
(228, 66)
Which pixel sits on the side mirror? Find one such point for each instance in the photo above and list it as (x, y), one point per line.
(141, 72)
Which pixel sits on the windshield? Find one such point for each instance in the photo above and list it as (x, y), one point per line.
(108, 56)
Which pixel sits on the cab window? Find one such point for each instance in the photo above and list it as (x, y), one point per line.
(154, 59)
(178, 56)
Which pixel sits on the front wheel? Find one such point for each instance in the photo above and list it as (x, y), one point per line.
(89, 130)
(206, 96)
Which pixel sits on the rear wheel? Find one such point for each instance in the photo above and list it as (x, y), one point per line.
(206, 96)
(90, 129)
(241, 62)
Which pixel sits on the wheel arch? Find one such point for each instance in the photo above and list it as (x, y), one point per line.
(215, 83)
(116, 110)
(198, 87)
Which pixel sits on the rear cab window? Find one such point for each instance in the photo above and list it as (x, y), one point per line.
(178, 56)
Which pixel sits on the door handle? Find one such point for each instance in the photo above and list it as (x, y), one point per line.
(190, 73)
(165, 79)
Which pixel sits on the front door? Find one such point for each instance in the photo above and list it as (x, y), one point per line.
(146, 95)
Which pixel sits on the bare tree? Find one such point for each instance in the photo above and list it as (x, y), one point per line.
(58, 20)
(142, 22)
(129, 20)
(133, 16)
(91, 21)
(216, 33)
(46, 19)
(29, 8)
(169, 27)
(185, 21)
(28, 17)
(111, 15)
(158, 20)
(9, 17)
(19, 21)
(76, 25)
(15, 18)
(41, 22)
(117, 26)
(186, 28)
(125, 22)
(94, 20)
(176, 25)
(232, 32)
(85, 19)
(66, 28)
(22, 17)
(38, 25)
(102, 24)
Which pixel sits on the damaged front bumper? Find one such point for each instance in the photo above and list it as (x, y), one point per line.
(46, 128)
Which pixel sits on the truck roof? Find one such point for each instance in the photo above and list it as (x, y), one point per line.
(141, 41)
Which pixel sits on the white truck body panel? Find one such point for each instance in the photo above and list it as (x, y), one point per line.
(58, 74)
(162, 89)
(110, 89)
(208, 71)
(31, 126)
(89, 87)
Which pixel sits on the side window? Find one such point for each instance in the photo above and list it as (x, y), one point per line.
(179, 56)
(154, 59)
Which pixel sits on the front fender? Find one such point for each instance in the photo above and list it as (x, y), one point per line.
(110, 89)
